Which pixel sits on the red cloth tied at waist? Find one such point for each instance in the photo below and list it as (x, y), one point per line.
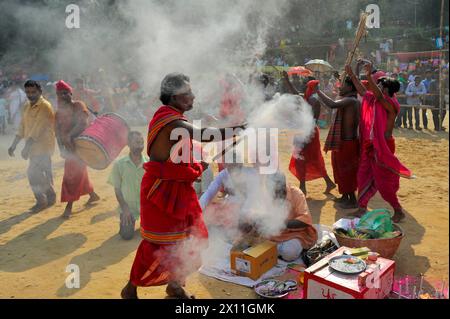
(168, 187)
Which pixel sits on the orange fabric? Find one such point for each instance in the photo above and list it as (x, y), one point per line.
(310, 164)
(299, 211)
(345, 162)
(163, 116)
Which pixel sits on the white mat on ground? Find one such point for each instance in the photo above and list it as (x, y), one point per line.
(219, 266)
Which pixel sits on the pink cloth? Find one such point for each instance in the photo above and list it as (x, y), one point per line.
(379, 168)
(378, 75)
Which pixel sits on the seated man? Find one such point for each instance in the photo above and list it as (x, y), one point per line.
(299, 233)
(126, 177)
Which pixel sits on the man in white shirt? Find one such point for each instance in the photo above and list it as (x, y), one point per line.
(414, 94)
(17, 99)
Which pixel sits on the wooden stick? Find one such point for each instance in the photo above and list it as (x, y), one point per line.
(361, 31)
(228, 148)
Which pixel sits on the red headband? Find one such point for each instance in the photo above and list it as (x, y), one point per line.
(61, 85)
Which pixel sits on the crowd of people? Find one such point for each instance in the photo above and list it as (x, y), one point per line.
(420, 93)
(149, 186)
(124, 97)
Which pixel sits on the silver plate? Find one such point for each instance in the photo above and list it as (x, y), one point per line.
(338, 264)
(262, 294)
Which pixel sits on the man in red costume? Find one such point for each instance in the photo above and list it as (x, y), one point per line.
(342, 141)
(172, 225)
(71, 121)
(308, 164)
(379, 168)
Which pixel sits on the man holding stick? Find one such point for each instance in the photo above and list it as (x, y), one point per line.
(172, 225)
(379, 169)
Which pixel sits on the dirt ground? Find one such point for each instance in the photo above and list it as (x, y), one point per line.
(36, 249)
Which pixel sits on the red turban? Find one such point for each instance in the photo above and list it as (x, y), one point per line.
(310, 88)
(378, 75)
(61, 85)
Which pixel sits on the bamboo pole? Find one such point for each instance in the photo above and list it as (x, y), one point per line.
(360, 32)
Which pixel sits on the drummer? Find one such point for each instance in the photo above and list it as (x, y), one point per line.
(71, 121)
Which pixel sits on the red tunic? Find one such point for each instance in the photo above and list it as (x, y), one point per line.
(172, 224)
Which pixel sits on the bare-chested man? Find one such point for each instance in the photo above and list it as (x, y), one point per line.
(343, 142)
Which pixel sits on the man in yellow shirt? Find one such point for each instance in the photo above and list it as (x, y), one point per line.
(37, 128)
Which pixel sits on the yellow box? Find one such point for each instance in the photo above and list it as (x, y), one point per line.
(254, 261)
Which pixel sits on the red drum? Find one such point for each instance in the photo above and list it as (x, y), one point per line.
(102, 141)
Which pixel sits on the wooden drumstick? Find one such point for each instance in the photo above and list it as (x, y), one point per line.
(228, 148)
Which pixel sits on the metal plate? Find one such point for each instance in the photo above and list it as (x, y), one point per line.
(260, 289)
(340, 264)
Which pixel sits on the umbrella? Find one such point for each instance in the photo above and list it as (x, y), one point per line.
(300, 71)
(319, 66)
(40, 77)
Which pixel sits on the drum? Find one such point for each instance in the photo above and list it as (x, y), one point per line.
(102, 141)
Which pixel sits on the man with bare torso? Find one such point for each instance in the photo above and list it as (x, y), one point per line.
(342, 141)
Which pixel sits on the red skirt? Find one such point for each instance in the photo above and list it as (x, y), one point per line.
(345, 164)
(172, 226)
(309, 164)
(75, 181)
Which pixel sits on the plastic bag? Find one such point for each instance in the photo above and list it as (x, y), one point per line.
(375, 223)
(346, 223)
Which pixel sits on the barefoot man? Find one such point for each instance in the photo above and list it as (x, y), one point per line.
(71, 121)
(342, 141)
(172, 225)
(379, 169)
(308, 164)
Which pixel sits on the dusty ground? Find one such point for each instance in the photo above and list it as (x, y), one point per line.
(36, 249)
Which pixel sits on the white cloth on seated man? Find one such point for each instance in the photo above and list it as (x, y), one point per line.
(290, 242)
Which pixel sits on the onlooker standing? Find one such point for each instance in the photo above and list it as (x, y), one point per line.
(17, 99)
(3, 113)
(428, 99)
(401, 97)
(414, 92)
